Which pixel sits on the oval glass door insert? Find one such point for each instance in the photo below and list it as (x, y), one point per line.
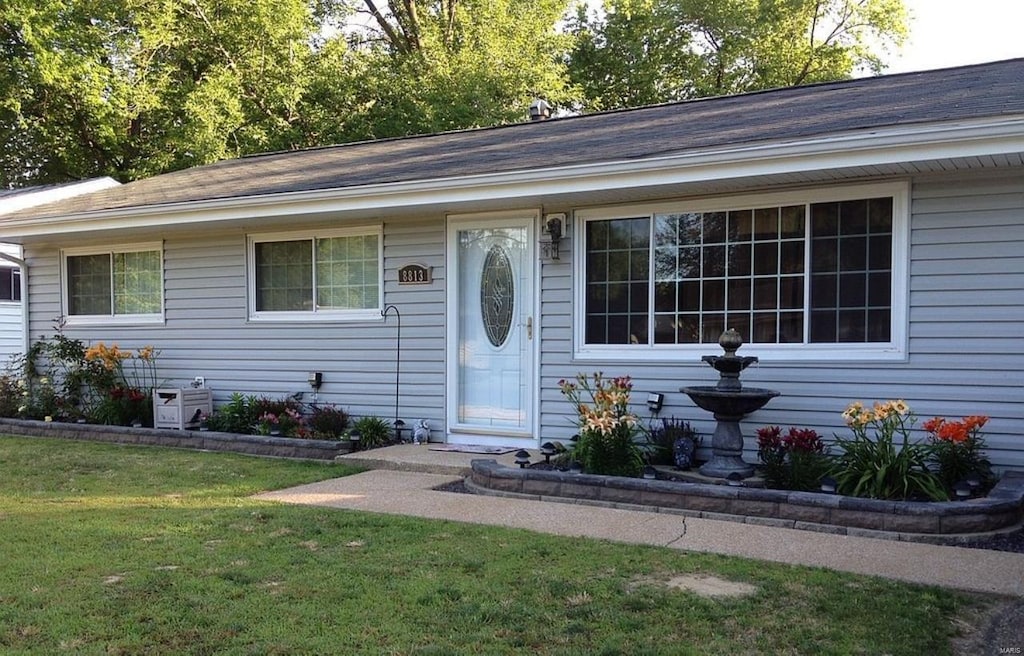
(497, 294)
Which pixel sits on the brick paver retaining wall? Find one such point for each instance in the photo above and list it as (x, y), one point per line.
(256, 445)
(947, 521)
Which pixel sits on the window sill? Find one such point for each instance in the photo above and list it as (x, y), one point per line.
(774, 354)
(316, 317)
(116, 320)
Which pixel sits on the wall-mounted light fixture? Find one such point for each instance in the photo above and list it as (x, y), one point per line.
(654, 402)
(554, 228)
(316, 379)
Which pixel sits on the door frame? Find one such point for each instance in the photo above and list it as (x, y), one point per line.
(491, 437)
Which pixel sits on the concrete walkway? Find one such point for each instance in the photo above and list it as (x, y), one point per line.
(405, 476)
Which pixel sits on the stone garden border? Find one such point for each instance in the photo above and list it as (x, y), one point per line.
(255, 445)
(938, 522)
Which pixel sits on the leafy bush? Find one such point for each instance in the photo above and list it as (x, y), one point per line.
(373, 432)
(794, 461)
(607, 438)
(239, 415)
(328, 422)
(10, 395)
(958, 451)
(880, 468)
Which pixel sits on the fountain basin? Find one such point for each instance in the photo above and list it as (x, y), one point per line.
(730, 403)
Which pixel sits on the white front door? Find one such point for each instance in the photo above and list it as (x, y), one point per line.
(491, 388)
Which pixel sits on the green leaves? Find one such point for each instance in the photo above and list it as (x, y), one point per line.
(646, 51)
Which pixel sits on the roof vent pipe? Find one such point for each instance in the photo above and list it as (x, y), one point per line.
(540, 110)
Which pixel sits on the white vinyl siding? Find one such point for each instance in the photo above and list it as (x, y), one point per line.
(208, 333)
(964, 347)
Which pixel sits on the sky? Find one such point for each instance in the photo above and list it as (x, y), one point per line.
(946, 33)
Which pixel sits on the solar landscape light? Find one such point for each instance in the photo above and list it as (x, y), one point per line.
(522, 458)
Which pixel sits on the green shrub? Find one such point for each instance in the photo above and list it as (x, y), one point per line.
(239, 415)
(10, 395)
(373, 432)
(880, 468)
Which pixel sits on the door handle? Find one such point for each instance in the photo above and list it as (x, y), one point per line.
(529, 327)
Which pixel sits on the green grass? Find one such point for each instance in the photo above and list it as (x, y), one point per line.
(124, 550)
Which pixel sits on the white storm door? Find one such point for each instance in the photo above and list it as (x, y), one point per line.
(490, 331)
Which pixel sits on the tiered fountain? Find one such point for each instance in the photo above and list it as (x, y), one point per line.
(729, 401)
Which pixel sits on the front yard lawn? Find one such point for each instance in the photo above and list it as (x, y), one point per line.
(108, 549)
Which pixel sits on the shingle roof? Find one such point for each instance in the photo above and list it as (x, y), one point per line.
(957, 94)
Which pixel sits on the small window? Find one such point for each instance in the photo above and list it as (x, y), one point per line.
(10, 284)
(336, 274)
(116, 284)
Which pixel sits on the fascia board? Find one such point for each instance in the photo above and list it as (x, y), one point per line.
(876, 147)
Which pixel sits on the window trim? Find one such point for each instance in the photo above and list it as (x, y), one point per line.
(894, 349)
(118, 319)
(314, 314)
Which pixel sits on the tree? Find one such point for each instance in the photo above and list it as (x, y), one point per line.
(648, 51)
(130, 88)
(434, 65)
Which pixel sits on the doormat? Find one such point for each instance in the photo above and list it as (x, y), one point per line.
(473, 448)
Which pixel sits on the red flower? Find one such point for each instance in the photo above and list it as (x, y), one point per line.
(805, 440)
(933, 425)
(769, 437)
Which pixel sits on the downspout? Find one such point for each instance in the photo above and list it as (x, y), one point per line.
(24, 298)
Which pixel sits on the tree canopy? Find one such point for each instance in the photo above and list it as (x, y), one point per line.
(640, 52)
(132, 88)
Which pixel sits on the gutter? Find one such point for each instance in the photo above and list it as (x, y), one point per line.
(864, 148)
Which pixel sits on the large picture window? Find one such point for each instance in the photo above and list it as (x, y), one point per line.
(114, 284)
(336, 274)
(812, 273)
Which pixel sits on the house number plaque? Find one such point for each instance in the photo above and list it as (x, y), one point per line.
(415, 274)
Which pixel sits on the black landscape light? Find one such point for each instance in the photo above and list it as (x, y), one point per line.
(828, 485)
(575, 468)
(962, 490)
(734, 479)
(522, 458)
(650, 472)
(354, 438)
(547, 450)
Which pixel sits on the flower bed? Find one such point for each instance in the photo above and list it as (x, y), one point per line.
(941, 522)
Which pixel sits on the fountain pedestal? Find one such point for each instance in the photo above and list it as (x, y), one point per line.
(729, 401)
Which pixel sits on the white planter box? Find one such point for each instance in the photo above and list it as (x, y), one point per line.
(180, 408)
